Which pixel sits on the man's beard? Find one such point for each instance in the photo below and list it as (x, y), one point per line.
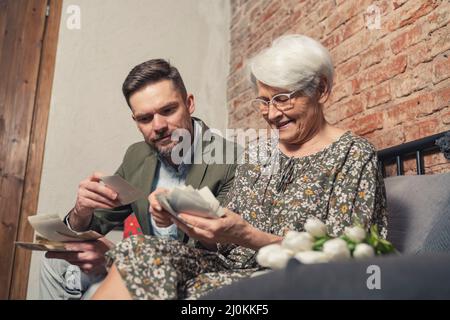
(166, 151)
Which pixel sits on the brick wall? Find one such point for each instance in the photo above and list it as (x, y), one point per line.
(392, 85)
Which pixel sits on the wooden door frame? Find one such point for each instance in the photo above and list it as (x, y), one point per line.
(35, 157)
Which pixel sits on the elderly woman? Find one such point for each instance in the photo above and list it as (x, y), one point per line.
(324, 172)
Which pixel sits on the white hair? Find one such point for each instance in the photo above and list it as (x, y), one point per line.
(294, 62)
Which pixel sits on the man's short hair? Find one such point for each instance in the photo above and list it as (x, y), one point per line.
(150, 72)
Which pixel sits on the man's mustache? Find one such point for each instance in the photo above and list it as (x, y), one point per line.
(160, 135)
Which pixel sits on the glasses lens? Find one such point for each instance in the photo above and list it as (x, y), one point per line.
(281, 99)
(259, 105)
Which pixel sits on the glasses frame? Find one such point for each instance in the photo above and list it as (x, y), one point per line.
(274, 103)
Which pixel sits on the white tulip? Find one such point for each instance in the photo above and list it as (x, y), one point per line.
(308, 257)
(263, 254)
(315, 227)
(278, 259)
(297, 241)
(363, 250)
(356, 233)
(336, 249)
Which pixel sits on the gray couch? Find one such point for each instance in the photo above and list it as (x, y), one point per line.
(419, 227)
(419, 213)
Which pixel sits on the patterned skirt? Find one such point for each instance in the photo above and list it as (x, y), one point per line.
(159, 268)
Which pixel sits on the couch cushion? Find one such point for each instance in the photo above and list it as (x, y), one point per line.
(419, 212)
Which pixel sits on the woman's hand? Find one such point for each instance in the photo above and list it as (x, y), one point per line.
(230, 228)
(161, 217)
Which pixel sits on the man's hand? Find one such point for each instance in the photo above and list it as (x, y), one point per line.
(89, 255)
(91, 195)
(161, 216)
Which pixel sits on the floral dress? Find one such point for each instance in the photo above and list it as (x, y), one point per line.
(339, 185)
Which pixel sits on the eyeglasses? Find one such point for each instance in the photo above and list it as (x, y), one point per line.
(281, 102)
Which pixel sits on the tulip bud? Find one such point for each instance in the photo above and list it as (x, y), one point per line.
(263, 254)
(297, 241)
(309, 257)
(356, 233)
(336, 249)
(278, 259)
(315, 227)
(363, 250)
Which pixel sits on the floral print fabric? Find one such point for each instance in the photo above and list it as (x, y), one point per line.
(339, 185)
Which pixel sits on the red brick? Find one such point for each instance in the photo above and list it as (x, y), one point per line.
(353, 26)
(388, 138)
(423, 10)
(331, 114)
(440, 41)
(242, 100)
(442, 96)
(349, 108)
(259, 33)
(382, 102)
(340, 91)
(441, 68)
(398, 3)
(236, 77)
(445, 118)
(302, 5)
(379, 73)
(373, 55)
(440, 168)
(254, 14)
(378, 95)
(280, 30)
(235, 18)
(236, 65)
(412, 80)
(333, 39)
(367, 124)
(269, 11)
(334, 21)
(239, 88)
(325, 9)
(316, 32)
(407, 38)
(352, 46)
(439, 17)
(410, 13)
(385, 6)
(306, 23)
(258, 46)
(409, 110)
(294, 14)
(421, 129)
(347, 69)
(418, 53)
(440, 100)
(338, 17)
(346, 12)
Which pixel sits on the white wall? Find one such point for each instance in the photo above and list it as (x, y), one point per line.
(90, 125)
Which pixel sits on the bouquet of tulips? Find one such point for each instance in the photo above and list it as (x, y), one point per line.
(315, 245)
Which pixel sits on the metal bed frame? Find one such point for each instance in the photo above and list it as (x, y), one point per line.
(398, 154)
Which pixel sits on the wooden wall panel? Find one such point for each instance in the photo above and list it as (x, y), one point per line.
(23, 121)
(35, 160)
